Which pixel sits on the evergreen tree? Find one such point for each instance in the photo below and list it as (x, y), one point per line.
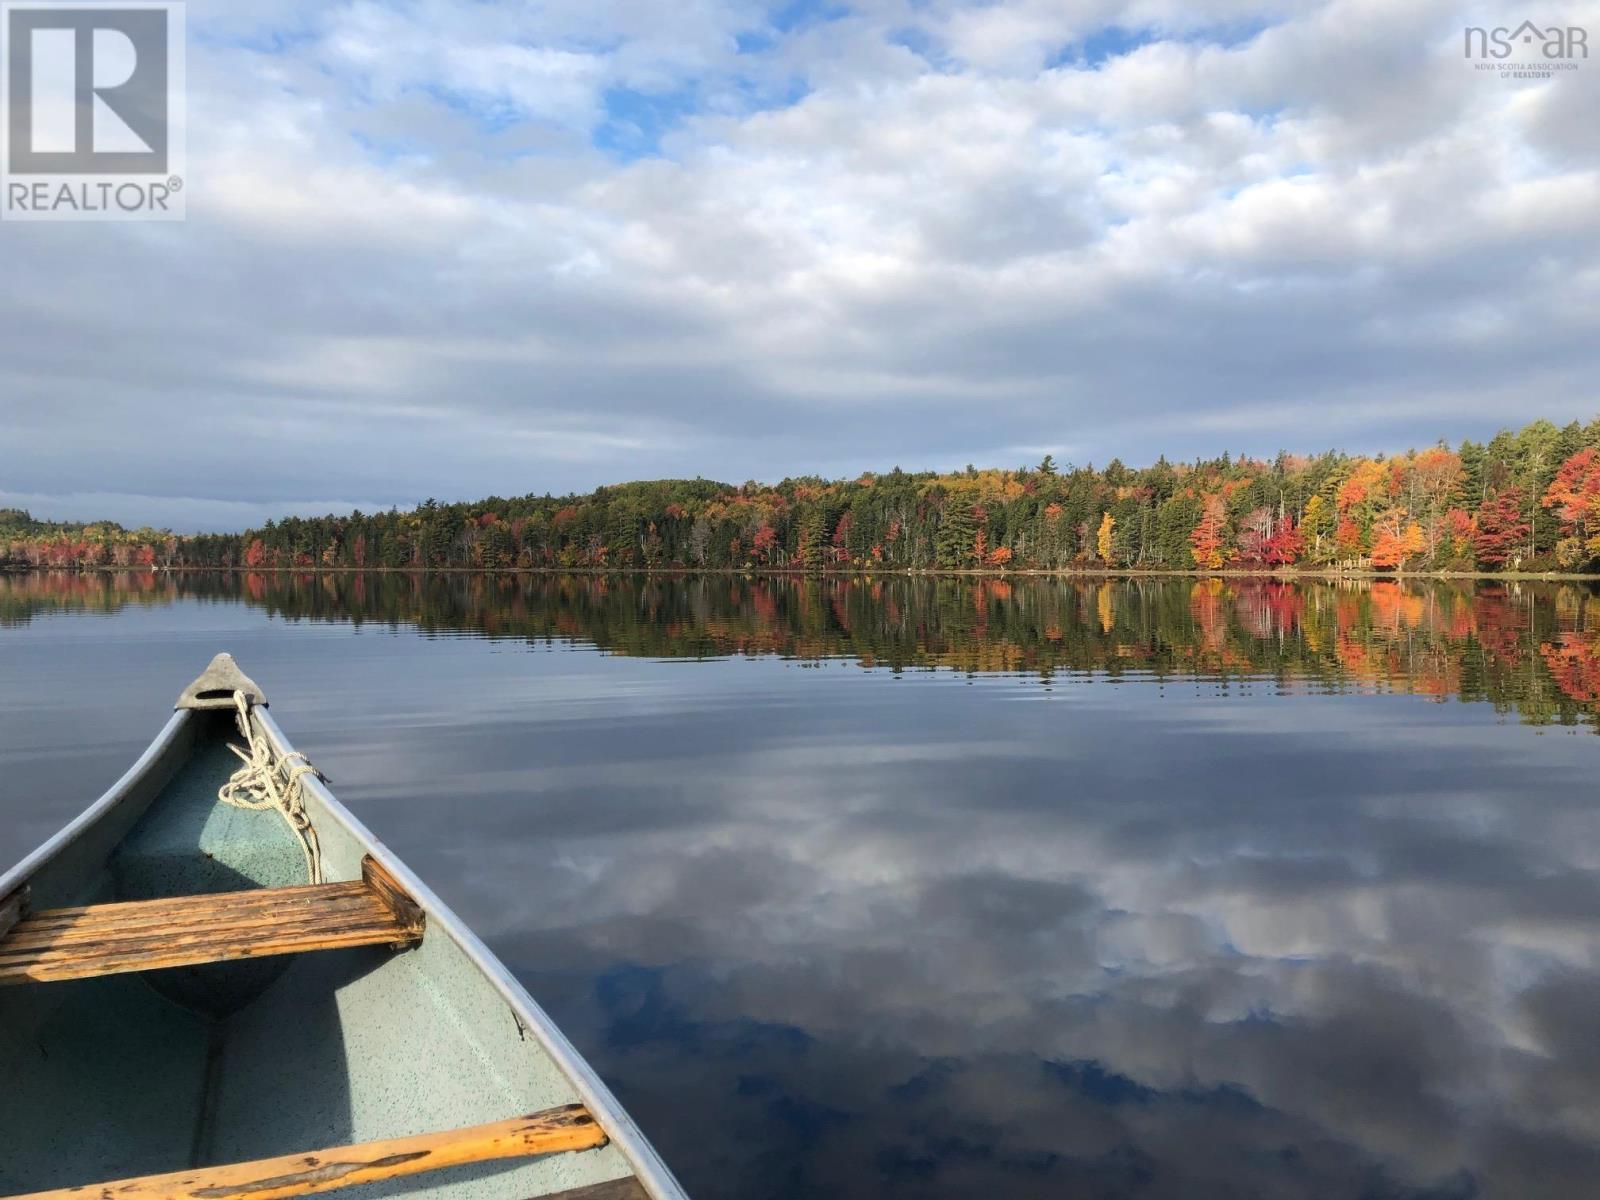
(1469, 491)
(958, 528)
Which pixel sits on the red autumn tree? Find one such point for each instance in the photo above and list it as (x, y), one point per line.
(1501, 529)
(765, 539)
(841, 531)
(1285, 546)
(1574, 494)
(1255, 531)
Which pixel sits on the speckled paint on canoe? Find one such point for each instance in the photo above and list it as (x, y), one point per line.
(125, 1075)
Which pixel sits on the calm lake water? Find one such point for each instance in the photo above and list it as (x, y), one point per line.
(906, 888)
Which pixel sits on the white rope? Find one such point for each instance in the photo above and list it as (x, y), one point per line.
(266, 782)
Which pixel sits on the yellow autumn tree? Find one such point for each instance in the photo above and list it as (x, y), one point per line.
(1316, 526)
(1103, 539)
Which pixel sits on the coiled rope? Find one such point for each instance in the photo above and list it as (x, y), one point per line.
(266, 781)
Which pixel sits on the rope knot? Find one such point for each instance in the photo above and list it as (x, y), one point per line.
(265, 782)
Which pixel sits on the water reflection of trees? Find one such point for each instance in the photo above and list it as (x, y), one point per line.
(1532, 648)
(27, 595)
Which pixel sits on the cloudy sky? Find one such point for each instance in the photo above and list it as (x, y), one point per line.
(457, 248)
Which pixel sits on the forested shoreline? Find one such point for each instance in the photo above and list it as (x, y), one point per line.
(1525, 502)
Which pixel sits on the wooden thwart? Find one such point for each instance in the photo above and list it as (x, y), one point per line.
(181, 931)
(554, 1130)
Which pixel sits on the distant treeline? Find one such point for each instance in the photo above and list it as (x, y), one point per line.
(26, 542)
(1528, 500)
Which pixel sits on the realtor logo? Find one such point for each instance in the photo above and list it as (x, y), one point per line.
(93, 110)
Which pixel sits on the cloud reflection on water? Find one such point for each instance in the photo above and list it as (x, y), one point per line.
(908, 941)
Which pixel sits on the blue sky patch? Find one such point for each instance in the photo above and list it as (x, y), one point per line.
(636, 121)
(1116, 41)
(803, 14)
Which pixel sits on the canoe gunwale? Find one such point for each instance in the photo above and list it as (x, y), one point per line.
(651, 1172)
(19, 875)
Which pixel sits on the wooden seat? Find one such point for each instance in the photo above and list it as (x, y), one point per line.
(617, 1189)
(555, 1130)
(148, 935)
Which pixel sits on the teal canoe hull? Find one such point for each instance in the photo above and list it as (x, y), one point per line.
(125, 1075)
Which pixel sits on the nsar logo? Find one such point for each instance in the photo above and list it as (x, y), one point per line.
(1528, 51)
